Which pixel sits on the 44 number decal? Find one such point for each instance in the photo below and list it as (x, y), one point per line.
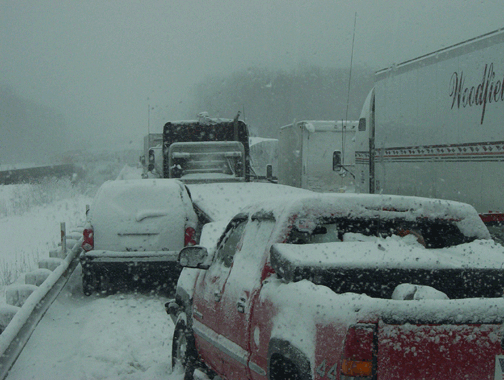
(321, 371)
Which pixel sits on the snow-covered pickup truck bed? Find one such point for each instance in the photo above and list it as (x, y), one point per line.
(344, 286)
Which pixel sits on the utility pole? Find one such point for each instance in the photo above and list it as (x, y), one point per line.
(148, 118)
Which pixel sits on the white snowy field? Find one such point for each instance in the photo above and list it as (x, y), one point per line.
(30, 217)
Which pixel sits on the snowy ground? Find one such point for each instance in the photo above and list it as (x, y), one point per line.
(122, 336)
(30, 217)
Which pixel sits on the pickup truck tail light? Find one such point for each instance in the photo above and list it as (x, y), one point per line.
(359, 360)
(88, 241)
(190, 235)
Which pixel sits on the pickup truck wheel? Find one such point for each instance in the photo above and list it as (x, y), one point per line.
(184, 352)
(282, 369)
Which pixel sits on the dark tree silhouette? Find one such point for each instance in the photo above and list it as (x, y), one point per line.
(269, 99)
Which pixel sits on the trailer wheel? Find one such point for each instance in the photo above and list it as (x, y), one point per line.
(184, 354)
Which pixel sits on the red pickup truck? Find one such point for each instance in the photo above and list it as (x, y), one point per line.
(343, 286)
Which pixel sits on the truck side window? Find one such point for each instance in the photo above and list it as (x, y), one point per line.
(336, 160)
(229, 244)
(362, 124)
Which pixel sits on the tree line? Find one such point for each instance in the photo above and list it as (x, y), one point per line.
(269, 99)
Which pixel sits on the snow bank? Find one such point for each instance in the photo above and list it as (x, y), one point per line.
(21, 317)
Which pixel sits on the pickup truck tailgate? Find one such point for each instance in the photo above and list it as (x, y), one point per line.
(439, 351)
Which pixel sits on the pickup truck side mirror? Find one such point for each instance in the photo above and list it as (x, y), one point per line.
(194, 257)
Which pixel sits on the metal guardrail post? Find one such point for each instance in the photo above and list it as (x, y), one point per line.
(63, 239)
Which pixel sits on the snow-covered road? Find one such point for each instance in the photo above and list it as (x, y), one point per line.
(122, 336)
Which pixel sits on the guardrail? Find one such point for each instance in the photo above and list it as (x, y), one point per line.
(26, 175)
(27, 304)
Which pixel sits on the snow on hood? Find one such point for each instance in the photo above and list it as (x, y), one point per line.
(222, 201)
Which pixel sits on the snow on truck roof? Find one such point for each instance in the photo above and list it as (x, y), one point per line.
(474, 44)
(222, 201)
(375, 205)
(136, 195)
(393, 253)
(325, 125)
(210, 121)
(257, 140)
(141, 215)
(164, 183)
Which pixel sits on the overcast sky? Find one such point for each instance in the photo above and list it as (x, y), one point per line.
(100, 63)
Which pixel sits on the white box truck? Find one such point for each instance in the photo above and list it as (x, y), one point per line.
(433, 126)
(318, 155)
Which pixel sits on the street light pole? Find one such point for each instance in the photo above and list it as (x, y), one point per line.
(148, 119)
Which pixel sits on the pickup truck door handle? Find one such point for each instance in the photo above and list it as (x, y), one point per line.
(240, 305)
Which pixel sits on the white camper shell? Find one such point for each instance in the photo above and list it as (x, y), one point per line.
(318, 155)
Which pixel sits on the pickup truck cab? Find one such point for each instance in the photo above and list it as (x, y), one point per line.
(344, 286)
